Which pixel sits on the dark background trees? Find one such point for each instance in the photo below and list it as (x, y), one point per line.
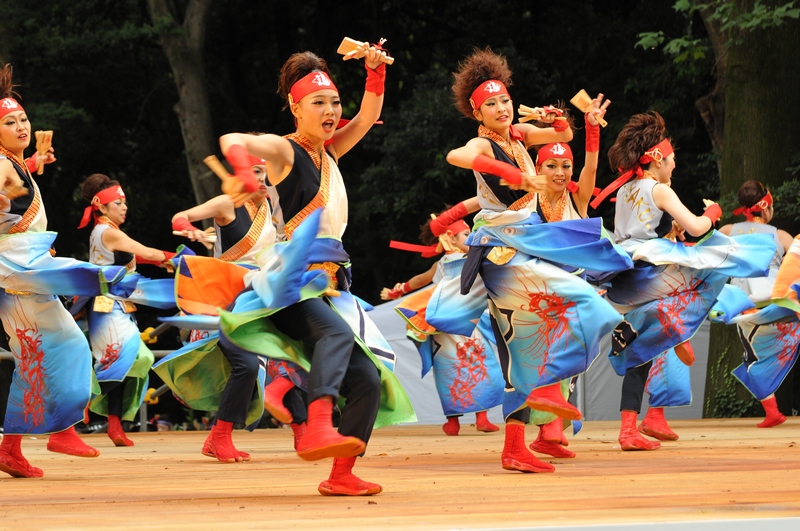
(141, 89)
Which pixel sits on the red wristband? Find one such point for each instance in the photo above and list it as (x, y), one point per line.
(181, 224)
(376, 79)
(508, 172)
(240, 161)
(560, 124)
(713, 212)
(592, 137)
(167, 256)
(30, 162)
(447, 218)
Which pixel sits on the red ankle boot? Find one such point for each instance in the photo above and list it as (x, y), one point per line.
(299, 430)
(273, 399)
(12, 462)
(116, 433)
(629, 436)
(452, 426)
(342, 481)
(685, 353)
(774, 416)
(68, 442)
(482, 422)
(321, 440)
(219, 444)
(516, 456)
(550, 399)
(548, 441)
(655, 425)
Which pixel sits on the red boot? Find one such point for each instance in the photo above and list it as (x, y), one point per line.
(342, 481)
(452, 426)
(68, 442)
(219, 444)
(116, 433)
(550, 399)
(273, 399)
(774, 416)
(629, 436)
(655, 425)
(299, 430)
(685, 353)
(482, 422)
(516, 456)
(321, 440)
(13, 463)
(550, 440)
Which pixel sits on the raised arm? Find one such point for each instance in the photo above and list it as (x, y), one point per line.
(274, 149)
(371, 104)
(588, 177)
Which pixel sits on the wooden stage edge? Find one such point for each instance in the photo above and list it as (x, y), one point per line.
(719, 470)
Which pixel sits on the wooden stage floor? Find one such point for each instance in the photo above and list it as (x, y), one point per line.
(719, 470)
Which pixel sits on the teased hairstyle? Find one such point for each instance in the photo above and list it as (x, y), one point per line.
(298, 66)
(481, 66)
(750, 193)
(94, 183)
(642, 132)
(6, 84)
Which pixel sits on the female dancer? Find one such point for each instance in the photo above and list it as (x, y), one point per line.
(770, 343)
(548, 322)
(466, 371)
(122, 361)
(241, 233)
(664, 305)
(52, 379)
(303, 168)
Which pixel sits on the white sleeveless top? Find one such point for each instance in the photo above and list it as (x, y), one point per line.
(636, 217)
(759, 288)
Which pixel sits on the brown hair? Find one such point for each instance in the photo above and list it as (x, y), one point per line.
(642, 132)
(481, 66)
(298, 66)
(6, 84)
(94, 183)
(750, 193)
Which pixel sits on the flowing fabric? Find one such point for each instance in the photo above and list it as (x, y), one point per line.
(668, 382)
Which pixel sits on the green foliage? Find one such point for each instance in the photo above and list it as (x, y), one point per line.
(726, 402)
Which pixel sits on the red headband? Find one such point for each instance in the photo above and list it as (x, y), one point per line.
(763, 204)
(310, 83)
(103, 197)
(486, 90)
(657, 153)
(8, 105)
(556, 150)
(255, 161)
(457, 226)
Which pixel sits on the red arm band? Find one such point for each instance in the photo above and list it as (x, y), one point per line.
(592, 137)
(508, 172)
(376, 79)
(181, 224)
(560, 124)
(713, 212)
(240, 161)
(167, 256)
(447, 218)
(30, 162)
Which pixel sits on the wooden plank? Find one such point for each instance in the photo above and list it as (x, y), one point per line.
(718, 470)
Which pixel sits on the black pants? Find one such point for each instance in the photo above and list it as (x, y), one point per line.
(338, 365)
(114, 392)
(235, 399)
(633, 387)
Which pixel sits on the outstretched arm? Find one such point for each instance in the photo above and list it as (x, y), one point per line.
(588, 177)
(414, 283)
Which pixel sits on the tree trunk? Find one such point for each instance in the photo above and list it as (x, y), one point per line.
(762, 125)
(183, 45)
(712, 105)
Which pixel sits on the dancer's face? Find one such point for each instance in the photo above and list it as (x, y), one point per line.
(496, 112)
(558, 172)
(260, 171)
(116, 210)
(663, 169)
(15, 132)
(318, 114)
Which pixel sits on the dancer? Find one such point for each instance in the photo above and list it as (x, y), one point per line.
(467, 374)
(52, 380)
(241, 233)
(122, 360)
(303, 168)
(664, 305)
(536, 306)
(769, 338)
